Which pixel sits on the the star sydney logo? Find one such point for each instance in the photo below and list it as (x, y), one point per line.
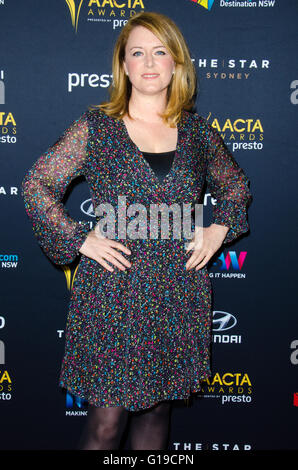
(204, 3)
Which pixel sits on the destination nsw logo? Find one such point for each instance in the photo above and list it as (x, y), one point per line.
(235, 3)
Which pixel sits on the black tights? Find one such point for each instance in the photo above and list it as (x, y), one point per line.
(105, 426)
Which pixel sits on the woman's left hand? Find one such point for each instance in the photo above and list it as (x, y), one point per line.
(205, 243)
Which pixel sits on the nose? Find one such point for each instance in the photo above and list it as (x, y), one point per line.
(149, 60)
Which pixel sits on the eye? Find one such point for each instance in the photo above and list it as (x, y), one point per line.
(136, 53)
(161, 52)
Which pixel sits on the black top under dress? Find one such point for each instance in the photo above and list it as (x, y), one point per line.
(160, 162)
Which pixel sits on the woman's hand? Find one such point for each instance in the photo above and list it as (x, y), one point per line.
(205, 243)
(99, 248)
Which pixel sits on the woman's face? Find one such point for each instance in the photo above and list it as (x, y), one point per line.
(147, 62)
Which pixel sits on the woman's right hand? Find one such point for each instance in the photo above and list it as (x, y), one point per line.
(99, 248)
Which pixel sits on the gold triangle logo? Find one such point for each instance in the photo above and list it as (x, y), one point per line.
(69, 278)
(74, 13)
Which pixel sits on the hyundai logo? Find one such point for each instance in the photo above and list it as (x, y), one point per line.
(223, 321)
(87, 208)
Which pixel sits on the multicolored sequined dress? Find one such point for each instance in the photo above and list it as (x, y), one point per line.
(139, 336)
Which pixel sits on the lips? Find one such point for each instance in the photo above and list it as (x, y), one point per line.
(150, 75)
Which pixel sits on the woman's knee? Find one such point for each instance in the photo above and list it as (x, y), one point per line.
(107, 423)
(160, 409)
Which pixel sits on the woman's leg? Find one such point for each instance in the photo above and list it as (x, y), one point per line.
(150, 427)
(104, 428)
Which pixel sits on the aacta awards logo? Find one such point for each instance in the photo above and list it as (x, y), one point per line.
(242, 133)
(107, 11)
(8, 126)
(5, 380)
(230, 387)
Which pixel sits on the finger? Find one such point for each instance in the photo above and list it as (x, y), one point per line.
(114, 261)
(118, 256)
(191, 260)
(110, 242)
(189, 248)
(195, 244)
(119, 246)
(105, 264)
(197, 259)
(202, 264)
(204, 261)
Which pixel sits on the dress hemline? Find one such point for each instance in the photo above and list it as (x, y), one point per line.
(150, 404)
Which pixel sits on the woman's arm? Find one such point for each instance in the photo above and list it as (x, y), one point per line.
(229, 185)
(43, 188)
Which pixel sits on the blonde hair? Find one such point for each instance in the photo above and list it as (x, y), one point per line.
(182, 88)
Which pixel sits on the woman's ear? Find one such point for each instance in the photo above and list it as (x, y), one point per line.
(124, 68)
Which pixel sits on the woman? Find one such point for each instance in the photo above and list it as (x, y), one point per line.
(139, 321)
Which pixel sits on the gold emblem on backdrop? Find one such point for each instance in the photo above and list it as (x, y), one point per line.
(69, 276)
(74, 13)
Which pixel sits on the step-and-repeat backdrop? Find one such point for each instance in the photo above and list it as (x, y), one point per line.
(55, 62)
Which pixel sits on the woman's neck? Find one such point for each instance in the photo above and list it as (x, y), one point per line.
(147, 108)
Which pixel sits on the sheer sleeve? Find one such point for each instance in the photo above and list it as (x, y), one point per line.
(229, 185)
(43, 188)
